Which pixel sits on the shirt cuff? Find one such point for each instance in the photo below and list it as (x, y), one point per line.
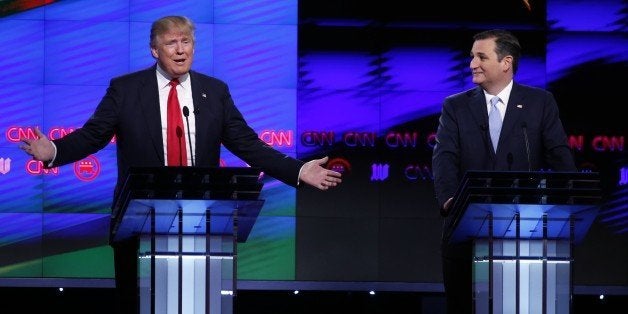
(54, 156)
(299, 177)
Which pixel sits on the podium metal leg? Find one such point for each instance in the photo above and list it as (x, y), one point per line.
(517, 263)
(544, 263)
(235, 251)
(572, 239)
(180, 258)
(490, 263)
(152, 261)
(207, 257)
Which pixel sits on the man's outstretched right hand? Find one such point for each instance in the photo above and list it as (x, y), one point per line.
(40, 148)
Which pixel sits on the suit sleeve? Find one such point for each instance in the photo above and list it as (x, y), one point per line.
(446, 155)
(239, 138)
(94, 135)
(558, 155)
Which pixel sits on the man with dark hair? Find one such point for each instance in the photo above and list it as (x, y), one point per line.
(499, 126)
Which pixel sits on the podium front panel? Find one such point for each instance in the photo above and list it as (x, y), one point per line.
(560, 197)
(474, 223)
(137, 219)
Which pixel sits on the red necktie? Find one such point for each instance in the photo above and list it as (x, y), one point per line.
(177, 155)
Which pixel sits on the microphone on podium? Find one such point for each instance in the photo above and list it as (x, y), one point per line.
(186, 114)
(524, 127)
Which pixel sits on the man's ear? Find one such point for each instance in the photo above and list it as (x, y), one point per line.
(154, 52)
(507, 63)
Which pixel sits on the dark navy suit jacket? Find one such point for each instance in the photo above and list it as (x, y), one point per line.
(463, 141)
(130, 111)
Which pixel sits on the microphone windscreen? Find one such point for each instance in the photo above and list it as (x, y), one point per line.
(186, 111)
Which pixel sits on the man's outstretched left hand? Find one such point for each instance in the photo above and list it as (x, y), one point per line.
(314, 174)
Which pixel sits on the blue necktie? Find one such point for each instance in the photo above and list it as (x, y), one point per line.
(494, 122)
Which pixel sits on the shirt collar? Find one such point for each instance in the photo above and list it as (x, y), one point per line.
(163, 79)
(504, 95)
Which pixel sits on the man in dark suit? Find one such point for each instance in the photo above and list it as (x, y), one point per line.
(528, 133)
(134, 110)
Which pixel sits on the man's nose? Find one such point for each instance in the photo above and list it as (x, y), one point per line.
(472, 63)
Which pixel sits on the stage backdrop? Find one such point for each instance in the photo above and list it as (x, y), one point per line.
(55, 222)
(375, 74)
(359, 81)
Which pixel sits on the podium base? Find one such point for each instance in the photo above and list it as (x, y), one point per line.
(536, 280)
(174, 280)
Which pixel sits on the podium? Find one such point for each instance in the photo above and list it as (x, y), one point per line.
(523, 226)
(188, 221)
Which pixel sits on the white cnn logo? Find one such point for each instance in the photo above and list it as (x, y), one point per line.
(5, 165)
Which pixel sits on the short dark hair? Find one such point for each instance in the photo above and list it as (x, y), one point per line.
(505, 44)
(164, 24)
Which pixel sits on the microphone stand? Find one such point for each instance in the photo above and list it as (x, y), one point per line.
(186, 113)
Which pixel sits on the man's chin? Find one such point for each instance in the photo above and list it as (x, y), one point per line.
(180, 70)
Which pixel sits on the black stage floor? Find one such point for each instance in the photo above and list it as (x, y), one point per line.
(102, 300)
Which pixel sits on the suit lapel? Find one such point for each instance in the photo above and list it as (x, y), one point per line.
(478, 108)
(151, 112)
(513, 113)
(201, 116)
(480, 115)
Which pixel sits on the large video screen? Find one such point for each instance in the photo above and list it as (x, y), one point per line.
(375, 75)
(359, 81)
(56, 221)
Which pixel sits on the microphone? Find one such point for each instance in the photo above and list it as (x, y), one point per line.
(524, 127)
(179, 132)
(186, 114)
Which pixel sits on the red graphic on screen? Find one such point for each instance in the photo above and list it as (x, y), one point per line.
(339, 165)
(87, 169)
(16, 6)
(36, 167)
(277, 138)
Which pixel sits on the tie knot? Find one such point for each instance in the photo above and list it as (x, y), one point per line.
(175, 82)
(494, 100)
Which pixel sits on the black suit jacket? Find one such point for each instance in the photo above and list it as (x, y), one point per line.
(463, 141)
(130, 111)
